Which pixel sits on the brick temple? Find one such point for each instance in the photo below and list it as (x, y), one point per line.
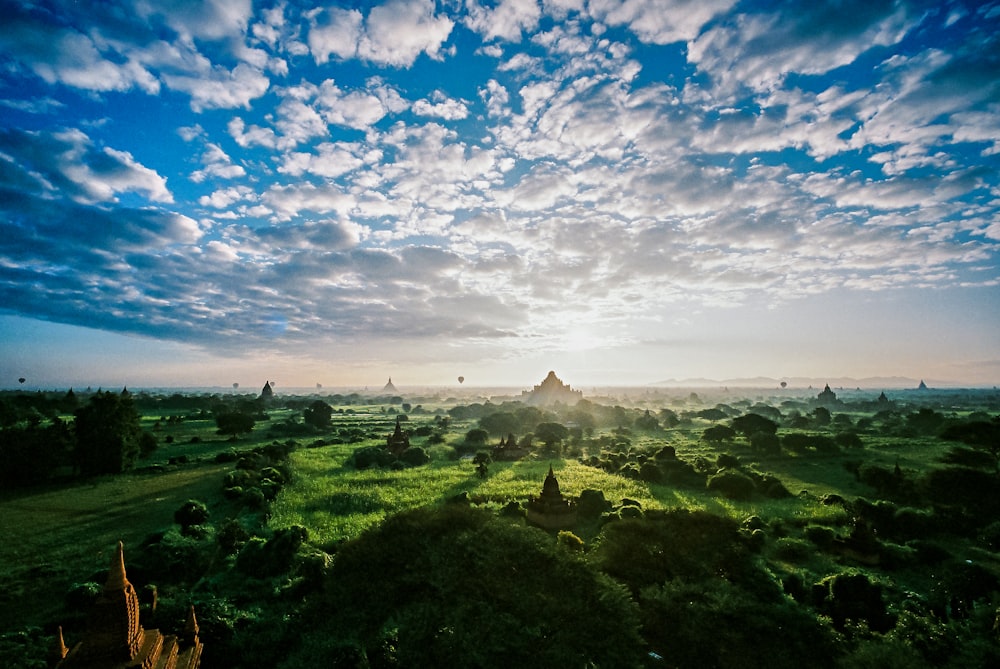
(115, 639)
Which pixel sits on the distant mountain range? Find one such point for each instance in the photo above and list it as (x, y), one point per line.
(870, 383)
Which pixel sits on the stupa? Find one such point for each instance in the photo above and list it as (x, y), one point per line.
(550, 510)
(550, 391)
(114, 639)
(398, 441)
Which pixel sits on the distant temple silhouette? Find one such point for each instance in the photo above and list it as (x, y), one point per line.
(398, 441)
(389, 388)
(114, 639)
(550, 391)
(827, 396)
(550, 510)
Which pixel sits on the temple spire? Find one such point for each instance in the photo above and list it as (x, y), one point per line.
(116, 574)
(59, 650)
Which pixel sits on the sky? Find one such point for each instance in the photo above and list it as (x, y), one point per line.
(624, 191)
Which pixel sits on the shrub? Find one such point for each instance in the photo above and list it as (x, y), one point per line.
(765, 443)
(732, 484)
(569, 540)
(852, 596)
(820, 535)
(793, 550)
(650, 472)
(192, 512)
(592, 503)
(725, 460)
(414, 457)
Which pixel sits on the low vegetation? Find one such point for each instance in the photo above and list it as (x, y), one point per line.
(720, 531)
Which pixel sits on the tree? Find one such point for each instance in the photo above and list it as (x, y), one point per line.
(458, 587)
(107, 434)
(476, 437)
(500, 423)
(234, 423)
(718, 433)
(752, 423)
(551, 434)
(983, 436)
(318, 414)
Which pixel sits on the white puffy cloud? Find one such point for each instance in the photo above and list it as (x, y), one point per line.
(441, 106)
(660, 21)
(335, 32)
(507, 20)
(221, 88)
(758, 50)
(394, 33)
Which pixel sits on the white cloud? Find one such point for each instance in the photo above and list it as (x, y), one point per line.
(394, 33)
(441, 106)
(507, 20)
(400, 30)
(217, 164)
(757, 51)
(221, 88)
(660, 21)
(207, 19)
(336, 32)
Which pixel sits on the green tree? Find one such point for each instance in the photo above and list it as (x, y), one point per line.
(551, 434)
(983, 436)
(500, 423)
(459, 587)
(318, 414)
(751, 424)
(234, 423)
(107, 434)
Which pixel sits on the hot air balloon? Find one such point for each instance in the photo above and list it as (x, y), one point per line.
(235, 386)
(21, 380)
(461, 379)
(784, 384)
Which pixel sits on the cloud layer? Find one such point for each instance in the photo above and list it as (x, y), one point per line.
(487, 174)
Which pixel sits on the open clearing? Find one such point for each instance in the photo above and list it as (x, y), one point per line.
(55, 535)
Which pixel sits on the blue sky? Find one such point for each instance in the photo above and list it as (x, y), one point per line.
(201, 193)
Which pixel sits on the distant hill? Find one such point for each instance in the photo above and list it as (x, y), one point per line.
(874, 382)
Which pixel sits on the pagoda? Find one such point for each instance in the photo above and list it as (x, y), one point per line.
(388, 387)
(114, 639)
(827, 396)
(398, 441)
(550, 391)
(550, 510)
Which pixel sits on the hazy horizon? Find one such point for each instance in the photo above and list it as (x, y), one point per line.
(624, 191)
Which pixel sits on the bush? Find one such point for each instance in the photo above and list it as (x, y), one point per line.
(414, 457)
(592, 503)
(820, 535)
(793, 550)
(192, 512)
(850, 596)
(732, 484)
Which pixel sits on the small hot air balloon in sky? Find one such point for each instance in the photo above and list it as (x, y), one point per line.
(21, 380)
(461, 379)
(235, 386)
(784, 384)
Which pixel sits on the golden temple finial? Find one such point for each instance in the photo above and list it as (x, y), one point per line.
(116, 574)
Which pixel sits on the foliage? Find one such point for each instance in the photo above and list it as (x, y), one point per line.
(32, 453)
(732, 483)
(752, 423)
(551, 434)
(192, 512)
(459, 587)
(235, 422)
(107, 434)
(318, 414)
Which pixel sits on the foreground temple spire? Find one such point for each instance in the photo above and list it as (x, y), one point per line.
(114, 639)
